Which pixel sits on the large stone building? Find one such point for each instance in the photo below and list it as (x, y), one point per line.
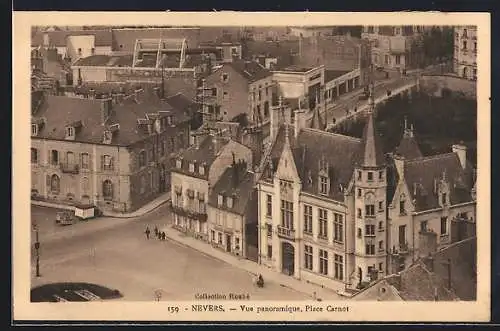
(196, 171)
(465, 53)
(323, 202)
(394, 47)
(113, 152)
(239, 87)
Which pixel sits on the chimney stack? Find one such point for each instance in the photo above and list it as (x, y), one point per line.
(300, 121)
(461, 152)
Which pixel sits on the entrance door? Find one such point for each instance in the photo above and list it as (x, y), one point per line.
(402, 234)
(288, 259)
(228, 243)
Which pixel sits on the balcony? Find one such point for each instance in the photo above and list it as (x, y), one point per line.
(70, 168)
(286, 233)
(202, 217)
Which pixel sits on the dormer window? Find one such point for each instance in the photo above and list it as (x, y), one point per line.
(229, 202)
(178, 163)
(34, 129)
(220, 200)
(323, 185)
(201, 170)
(70, 132)
(402, 204)
(191, 167)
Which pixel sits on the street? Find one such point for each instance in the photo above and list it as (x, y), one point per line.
(120, 257)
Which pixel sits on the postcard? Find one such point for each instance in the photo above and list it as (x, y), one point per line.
(239, 166)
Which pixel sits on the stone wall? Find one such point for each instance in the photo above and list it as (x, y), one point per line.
(435, 84)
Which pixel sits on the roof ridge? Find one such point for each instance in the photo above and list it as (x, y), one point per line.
(331, 134)
(430, 157)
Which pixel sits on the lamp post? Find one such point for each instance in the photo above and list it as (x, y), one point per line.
(37, 250)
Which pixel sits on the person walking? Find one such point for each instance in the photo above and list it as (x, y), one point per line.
(147, 232)
(156, 231)
(163, 236)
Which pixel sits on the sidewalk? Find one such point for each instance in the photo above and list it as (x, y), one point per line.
(254, 268)
(150, 206)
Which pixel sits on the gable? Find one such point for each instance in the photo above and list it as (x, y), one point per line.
(286, 166)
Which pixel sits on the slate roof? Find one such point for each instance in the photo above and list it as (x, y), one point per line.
(180, 101)
(408, 148)
(372, 150)
(239, 186)
(332, 74)
(311, 146)
(422, 172)
(58, 38)
(59, 111)
(250, 70)
(205, 153)
(317, 121)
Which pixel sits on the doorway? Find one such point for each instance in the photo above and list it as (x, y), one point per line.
(228, 243)
(288, 259)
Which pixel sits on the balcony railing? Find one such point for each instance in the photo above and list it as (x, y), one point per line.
(285, 232)
(70, 168)
(202, 217)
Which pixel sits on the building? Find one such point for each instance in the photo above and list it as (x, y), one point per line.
(431, 193)
(232, 212)
(74, 44)
(446, 275)
(465, 53)
(328, 203)
(113, 153)
(239, 87)
(230, 49)
(311, 31)
(196, 171)
(394, 47)
(48, 65)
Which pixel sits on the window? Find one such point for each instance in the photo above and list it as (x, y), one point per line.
(381, 245)
(269, 230)
(398, 59)
(85, 186)
(464, 45)
(55, 186)
(369, 230)
(171, 145)
(464, 35)
(266, 108)
(370, 176)
(225, 95)
(443, 198)
(70, 158)
(201, 170)
(423, 226)
(360, 215)
(70, 131)
(370, 249)
(269, 205)
(323, 262)
(34, 156)
(360, 192)
(79, 51)
(323, 223)
(444, 225)
(225, 77)
(107, 162)
(54, 157)
(34, 129)
(380, 205)
(360, 232)
(323, 185)
(359, 175)
(92, 50)
(370, 210)
(308, 257)
(475, 46)
(260, 94)
(307, 219)
(381, 175)
(107, 190)
(219, 235)
(370, 29)
(339, 267)
(402, 208)
(85, 160)
(387, 59)
(338, 228)
(212, 235)
(191, 167)
(287, 214)
(229, 202)
(269, 251)
(214, 91)
(142, 158)
(380, 226)
(381, 266)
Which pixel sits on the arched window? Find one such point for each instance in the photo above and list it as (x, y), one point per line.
(55, 184)
(107, 190)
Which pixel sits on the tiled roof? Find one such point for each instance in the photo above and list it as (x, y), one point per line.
(332, 74)
(58, 38)
(59, 111)
(235, 183)
(372, 150)
(311, 145)
(408, 148)
(250, 70)
(421, 174)
(180, 101)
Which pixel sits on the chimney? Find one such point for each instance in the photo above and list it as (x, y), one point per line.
(300, 121)
(275, 116)
(427, 243)
(106, 107)
(461, 152)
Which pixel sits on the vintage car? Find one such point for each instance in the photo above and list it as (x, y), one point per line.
(66, 217)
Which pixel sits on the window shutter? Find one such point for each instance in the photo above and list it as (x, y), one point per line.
(102, 162)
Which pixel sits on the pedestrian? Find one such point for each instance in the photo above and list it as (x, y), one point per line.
(163, 236)
(147, 232)
(156, 231)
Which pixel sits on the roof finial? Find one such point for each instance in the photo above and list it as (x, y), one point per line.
(444, 174)
(406, 123)
(286, 132)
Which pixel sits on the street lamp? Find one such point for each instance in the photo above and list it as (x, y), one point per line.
(37, 250)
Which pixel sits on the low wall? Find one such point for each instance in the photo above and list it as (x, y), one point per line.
(435, 84)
